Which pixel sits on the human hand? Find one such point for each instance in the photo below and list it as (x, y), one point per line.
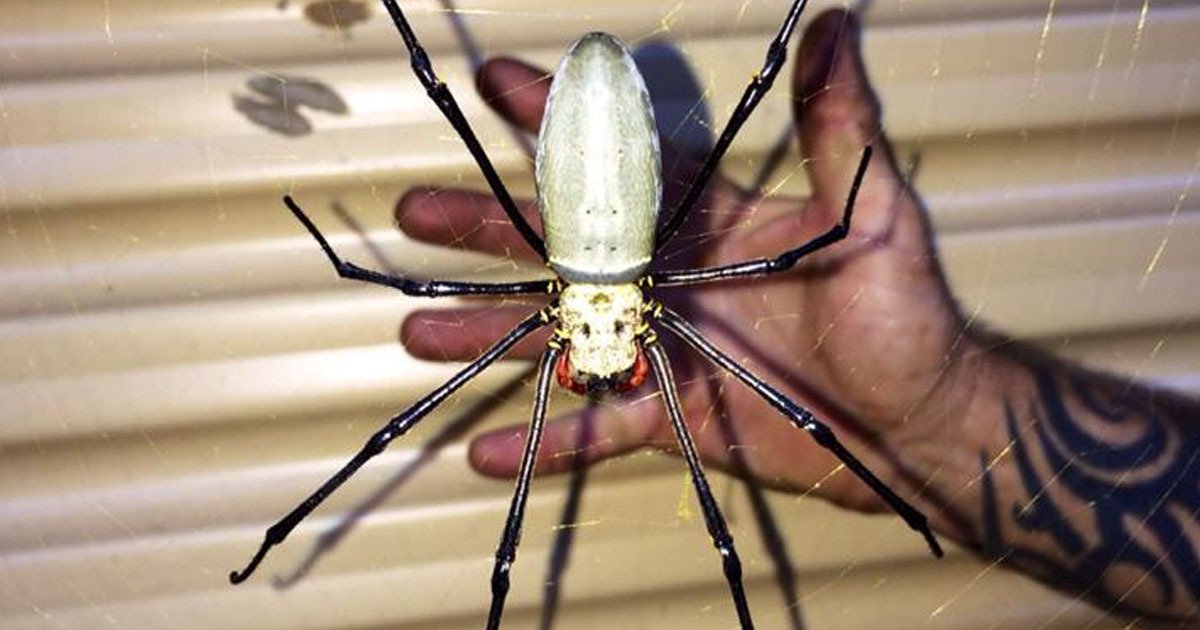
(862, 333)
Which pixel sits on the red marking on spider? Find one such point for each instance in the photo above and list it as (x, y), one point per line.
(637, 375)
(641, 367)
(563, 371)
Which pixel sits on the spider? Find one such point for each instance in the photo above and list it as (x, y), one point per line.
(599, 189)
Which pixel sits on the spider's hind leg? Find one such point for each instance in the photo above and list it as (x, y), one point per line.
(506, 552)
(396, 427)
(803, 419)
(713, 519)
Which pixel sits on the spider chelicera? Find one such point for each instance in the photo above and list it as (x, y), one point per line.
(599, 191)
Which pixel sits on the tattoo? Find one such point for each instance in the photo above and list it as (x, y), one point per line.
(1104, 505)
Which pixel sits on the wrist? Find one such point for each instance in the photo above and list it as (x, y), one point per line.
(1050, 464)
(957, 430)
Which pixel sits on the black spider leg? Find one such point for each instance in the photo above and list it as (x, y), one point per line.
(717, 529)
(441, 96)
(431, 288)
(803, 419)
(759, 85)
(506, 552)
(782, 262)
(397, 426)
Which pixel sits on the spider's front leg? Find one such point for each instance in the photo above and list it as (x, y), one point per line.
(758, 87)
(440, 93)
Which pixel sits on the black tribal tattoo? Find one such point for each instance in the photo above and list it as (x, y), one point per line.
(1142, 492)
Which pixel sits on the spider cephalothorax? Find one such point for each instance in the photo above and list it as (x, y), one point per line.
(600, 324)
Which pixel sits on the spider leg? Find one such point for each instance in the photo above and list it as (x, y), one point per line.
(782, 262)
(712, 512)
(397, 426)
(759, 85)
(803, 419)
(441, 96)
(431, 288)
(506, 552)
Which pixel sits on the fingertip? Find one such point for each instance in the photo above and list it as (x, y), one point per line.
(830, 82)
(502, 74)
(454, 334)
(444, 216)
(816, 55)
(515, 90)
(497, 454)
(412, 199)
(464, 333)
(577, 439)
(413, 216)
(463, 218)
(425, 336)
(838, 114)
(414, 334)
(420, 339)
(491, 77)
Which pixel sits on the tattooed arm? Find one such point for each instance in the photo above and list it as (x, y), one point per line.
(1087, 481)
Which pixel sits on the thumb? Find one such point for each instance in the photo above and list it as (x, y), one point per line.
(837, 116)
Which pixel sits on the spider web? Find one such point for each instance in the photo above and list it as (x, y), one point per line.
(180, 366)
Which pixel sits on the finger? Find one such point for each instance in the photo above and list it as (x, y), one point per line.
(469, 219)
(462, 334)
(769, 449)
(515, 90)
(582, 438)
(474, 220)
(838, 115)
(604, 431)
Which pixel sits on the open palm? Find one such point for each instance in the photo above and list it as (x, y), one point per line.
(862, 333)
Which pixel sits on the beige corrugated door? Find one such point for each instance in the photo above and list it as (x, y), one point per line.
(178, 364)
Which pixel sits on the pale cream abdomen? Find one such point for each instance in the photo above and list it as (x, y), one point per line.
(598, 177)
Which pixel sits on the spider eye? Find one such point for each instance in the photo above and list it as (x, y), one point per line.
(619, 327)
(586, 330)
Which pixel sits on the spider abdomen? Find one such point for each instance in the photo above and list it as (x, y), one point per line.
(598, 173)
